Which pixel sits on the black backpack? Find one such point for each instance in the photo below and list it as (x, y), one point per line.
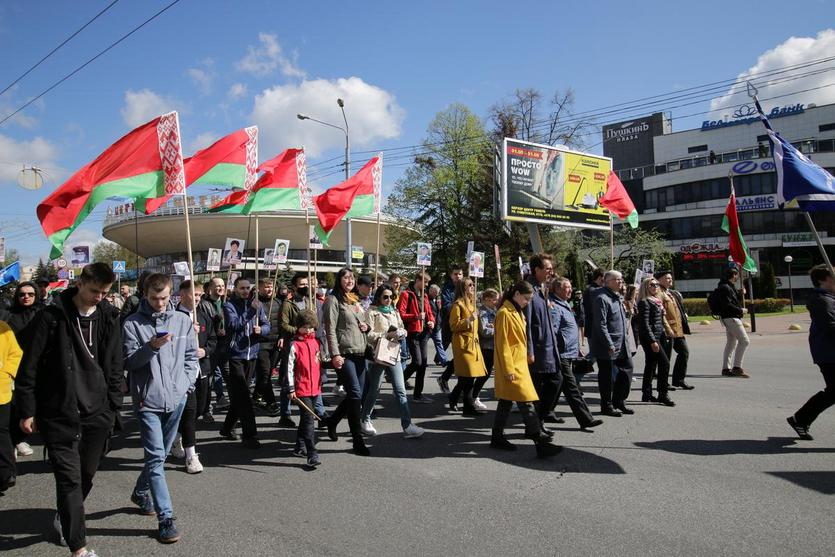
(715, 302)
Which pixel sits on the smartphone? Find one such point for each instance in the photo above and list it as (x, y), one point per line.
(161, 334)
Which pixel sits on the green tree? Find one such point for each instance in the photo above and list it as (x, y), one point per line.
(765, 283)
(106, 251)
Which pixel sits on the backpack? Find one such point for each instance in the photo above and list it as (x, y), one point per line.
(715, 302)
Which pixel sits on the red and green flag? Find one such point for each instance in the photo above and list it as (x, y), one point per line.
(618, 201)
(736, 243)
(231, 162)
(358, 196)
(144, 164)
(283, 185)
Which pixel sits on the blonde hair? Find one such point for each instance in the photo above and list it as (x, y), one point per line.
(644, 291)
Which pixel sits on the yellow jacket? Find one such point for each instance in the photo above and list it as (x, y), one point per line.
(673, 325)
(10, 355)
(510, 356)
(466, 351)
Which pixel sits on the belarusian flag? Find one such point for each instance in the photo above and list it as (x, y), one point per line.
(618, 201)
(231, 162)
(736, 243)
(282, 186)
(358, 196)
(146, 163)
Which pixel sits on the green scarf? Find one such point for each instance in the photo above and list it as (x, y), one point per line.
(386, 309)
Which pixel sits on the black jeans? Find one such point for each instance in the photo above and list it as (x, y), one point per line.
(240, 403)
(464, 388)
(263, 376)
(618, 392)
(679, 345)
(487, 353)
(306, 433)
(572, 393)
(417, 343)
(352, 374)
(74, 464)
(533, 425)
(821, 400)
(202, 390)
(7, 460)
(655, 360)
(547, 387)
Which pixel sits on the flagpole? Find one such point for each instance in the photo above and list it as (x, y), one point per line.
(190, 258)
(611, 241)
(377, 255)
(307, 220)
(256, 250)
(818, 240)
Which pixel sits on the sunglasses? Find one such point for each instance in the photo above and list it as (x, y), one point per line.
(385, 297)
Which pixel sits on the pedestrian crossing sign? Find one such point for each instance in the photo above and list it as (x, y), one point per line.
(119, 267)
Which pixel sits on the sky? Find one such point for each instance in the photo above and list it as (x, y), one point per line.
(225, 65)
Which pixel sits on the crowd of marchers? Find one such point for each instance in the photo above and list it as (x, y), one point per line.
(68, 359)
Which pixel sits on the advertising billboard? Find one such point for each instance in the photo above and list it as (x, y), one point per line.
(630, 143)
(553, 185)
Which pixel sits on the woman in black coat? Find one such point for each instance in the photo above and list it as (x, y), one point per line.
(651, 333)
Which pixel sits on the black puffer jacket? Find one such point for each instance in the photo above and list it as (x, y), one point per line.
(19, 317)
(650, 321)
(46, 386)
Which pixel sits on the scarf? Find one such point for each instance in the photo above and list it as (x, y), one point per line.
(386, 309)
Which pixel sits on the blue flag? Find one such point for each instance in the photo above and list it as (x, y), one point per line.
(10, 273)
(798, 177)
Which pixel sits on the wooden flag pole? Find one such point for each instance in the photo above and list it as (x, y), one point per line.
(309, 286)
(315, 267)
(377, 256)
(190, 258)
(498, 265)
(611, 241)
(256, 250)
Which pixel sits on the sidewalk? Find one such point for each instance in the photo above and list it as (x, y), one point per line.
(769, 325)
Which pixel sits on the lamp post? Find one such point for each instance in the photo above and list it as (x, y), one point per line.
(344, 130)
(788, 259)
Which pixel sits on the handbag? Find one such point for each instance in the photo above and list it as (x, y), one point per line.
(386, 352)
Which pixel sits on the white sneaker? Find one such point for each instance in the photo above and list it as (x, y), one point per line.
(367, 428)
(24, 449)
(480, 405)
(413, 432)
(338, 390)
(193, 465)
(56, 525)
(177, 450)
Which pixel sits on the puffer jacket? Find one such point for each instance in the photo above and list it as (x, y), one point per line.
(650, 321)
(159, 379)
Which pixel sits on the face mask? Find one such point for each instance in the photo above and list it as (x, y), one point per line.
(303, 291)
(320, 291)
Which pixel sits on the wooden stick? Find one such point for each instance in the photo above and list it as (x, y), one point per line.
(303, 405)
(377, 256)
(309, 286)
(188, 248)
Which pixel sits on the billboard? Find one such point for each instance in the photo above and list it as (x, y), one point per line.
(630, 143)
(553, 185)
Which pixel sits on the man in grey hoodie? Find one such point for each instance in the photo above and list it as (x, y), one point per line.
(160, 348)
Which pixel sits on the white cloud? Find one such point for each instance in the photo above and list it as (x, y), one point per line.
(202, 141)
(237, 91)
(268, 56)
(37, 152)
(794, 51)
(145, 105)
(373, 114)
(24, 119)
(203, 76)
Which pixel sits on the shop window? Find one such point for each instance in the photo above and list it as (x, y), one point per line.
(697, 149)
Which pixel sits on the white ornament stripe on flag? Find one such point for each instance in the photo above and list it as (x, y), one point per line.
(305, 195)
(171, 154)
(377, 177)
(251, 158)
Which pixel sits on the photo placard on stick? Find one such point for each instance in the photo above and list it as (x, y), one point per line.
(282, 248)
(269, 259)
(477, 264)
(181, 269)
(233, 276)
(213, 260)
(648, 267)
(233, 251)
(424, 254)
(315, 242)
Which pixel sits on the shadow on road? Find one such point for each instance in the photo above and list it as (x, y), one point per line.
(712, 447)
(822, 482)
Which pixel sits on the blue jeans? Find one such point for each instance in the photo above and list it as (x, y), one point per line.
(157, 431)
(440, 353)
(373, 379)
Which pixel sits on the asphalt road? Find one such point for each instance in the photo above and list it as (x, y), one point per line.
(719, 474)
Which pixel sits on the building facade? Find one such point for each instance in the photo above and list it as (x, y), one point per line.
(683, 191)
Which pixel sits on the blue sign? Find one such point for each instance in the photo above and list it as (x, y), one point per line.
(766, 202)
(119, 267)
(747, 114)
(63, 274)
(747, 167)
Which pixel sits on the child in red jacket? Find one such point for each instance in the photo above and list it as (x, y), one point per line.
(303, 382)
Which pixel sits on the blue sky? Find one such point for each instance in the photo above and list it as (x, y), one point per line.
(225, 65)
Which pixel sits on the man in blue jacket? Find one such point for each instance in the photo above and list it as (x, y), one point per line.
(543, 353)
(821, 306)
(246, 321)
(607, 342)
(456, 273)
(160, 348)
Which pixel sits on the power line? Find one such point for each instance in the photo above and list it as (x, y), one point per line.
(90, 61)
(54, 50)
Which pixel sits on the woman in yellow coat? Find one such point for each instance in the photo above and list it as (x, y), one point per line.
(10, 355)
(467, 359)
(513, 380)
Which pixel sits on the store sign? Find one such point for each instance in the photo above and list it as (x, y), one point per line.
(626, 131)
(699, 247)
(747, 167)
(756, 203)
(747, 114)
(799, 240)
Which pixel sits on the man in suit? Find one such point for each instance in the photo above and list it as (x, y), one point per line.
(607, 342)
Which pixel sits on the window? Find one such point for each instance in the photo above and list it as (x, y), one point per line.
(826, 127)
(763, 137)
(699, 148)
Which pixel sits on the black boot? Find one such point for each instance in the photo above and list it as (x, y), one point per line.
(354, 411)
(545, 449)
(499, 441)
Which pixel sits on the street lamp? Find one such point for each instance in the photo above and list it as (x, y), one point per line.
(344, 130)
(788, 259)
